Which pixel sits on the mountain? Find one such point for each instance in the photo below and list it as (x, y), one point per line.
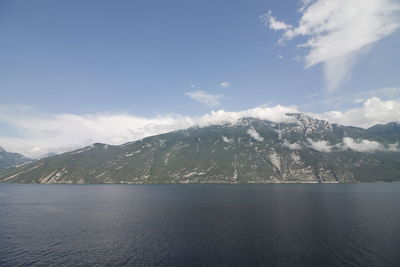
(8, 159)
(48, 155)
(301, 149)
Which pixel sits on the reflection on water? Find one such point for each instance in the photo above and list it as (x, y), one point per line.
(182, 225)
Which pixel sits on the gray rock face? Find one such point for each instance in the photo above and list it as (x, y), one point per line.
(250, 151)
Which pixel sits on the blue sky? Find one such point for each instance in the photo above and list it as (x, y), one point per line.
(152, 59)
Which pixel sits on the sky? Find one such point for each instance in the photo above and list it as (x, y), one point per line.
(77, 72)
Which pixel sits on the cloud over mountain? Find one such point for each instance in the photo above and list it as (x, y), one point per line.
(372, 111)
(39, 133)
(255, 135)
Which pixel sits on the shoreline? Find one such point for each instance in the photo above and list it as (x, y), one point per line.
(212, 183)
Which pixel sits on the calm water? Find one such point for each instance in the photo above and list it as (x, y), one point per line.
(198, 225)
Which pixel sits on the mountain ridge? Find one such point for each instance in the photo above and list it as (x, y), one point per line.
(301, 149)
(10, 159)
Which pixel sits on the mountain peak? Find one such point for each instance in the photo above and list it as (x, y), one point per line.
(299, 116)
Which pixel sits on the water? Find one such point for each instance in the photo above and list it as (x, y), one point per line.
(199, 225)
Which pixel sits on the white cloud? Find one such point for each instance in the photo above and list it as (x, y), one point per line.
(321, 145)
(273, 23)
(363, 145)
(305, 3)
(275, 114)
(225, 84)
(205, 98)
(294, 146)
(373, 111)
(338, 30)
(72, 131)
(227, 140)
(383, 93)
(368, 146)
(394, 147)
(40, 133)
(359, 145)
(255, 135)
(352, 99)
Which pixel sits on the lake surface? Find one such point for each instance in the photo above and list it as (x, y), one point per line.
(200, 225)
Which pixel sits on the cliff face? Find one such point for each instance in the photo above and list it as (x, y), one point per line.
(251, 151)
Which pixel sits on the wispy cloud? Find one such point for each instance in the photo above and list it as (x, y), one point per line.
(366, 146)
(359, 145)
(225, 84)
(274, 24)
(320, 145)
(336, 31)
(293, 146)
(205, 98)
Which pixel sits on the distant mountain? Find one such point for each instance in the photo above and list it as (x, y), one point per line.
(302, 149)
(8, 159)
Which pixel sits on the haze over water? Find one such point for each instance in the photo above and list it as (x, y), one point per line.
(198, 225)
